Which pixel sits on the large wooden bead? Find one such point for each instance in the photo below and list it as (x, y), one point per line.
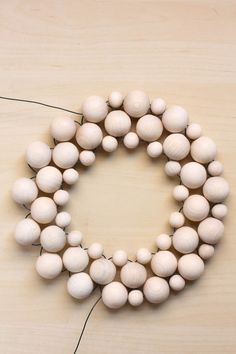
(43, 210)
(95, 250)
(154, 149)
(176, 147)
(143, 256)
(49, 265)
(203, 150)
(119, 258)
(194, 131)
(27, 231)
(156, 290)
(115, 99)
(38, 154)
(109, 143)
(219, 211)
(172, 168)
(24, 191)
(176, 219)
(102, 271)
(175, 119)
(65, 155)
(53, 238)
(87, 158)
(185, 239)
(190, 266)
(63, 128)
(211, 230)
(80, 286)
(164, 263)
(193, 175)
(149, 128)
(133, 275)
(114, 295)
(206, 251)
(89, 136)
(216, 189)
(135, 298)
(163, 242)
(75, 259)
(158, 106)
(74, 238)
(63, 219)
(70, 176)
(131, 140)
(176, 282)
(61, 197)
(196, 207)
(49, 179)
(136, 103)
(117, 123)
(180, 193)
(215, 168)
(94, 109)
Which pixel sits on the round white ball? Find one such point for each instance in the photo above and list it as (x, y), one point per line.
(164, 263)
(133, 275)
(63, 128)
(175, 119)
(215, 168)
(143, 256)
(95, 250)
(136, 103)
(154, 149)
(149, 128)
(65, 155)
(63, 219)
(27, 231)
(61, 197)
(49, 179)
(211, 230)
(102, 271)
(176, 219)
(109, 143)
(190, 266)
(206, 251)
(75, 259)
(38, 154)
(163, 242)
(115, 99)
(74, 238)
(89, 136)
(203, 150)
(94, 109)
(24, 191)
(53, 238)
(176, 282)
(117, 123)
(194, 131)
(158, 106)
(43, 210)
(176, 147)
(87, 158)
(156, 290)
(185, 239)
(172, 168)
(49, 265)
(216, 189)
(119, 258)
(193, 175)
(114, 295)
(80, 286)
(131, 140)
(196, 207)
(70, 176)
(180, 193)
(135, 298)
(219, 211)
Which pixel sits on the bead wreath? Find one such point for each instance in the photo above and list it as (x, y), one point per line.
(202, 190)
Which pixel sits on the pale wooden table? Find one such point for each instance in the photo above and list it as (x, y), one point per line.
(59, 52)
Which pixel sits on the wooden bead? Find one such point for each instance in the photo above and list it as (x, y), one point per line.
(75, 259)
(215, 168)
(38, 154)
(43, 210)
(180, 193)
(109, 143)
(119, 258)
(163, 242)
(216, 189)
(117, 123)
(89, 136)
(49, 179)
(185, 239)
(24, 191)
(203, 150)
(211, 230)
(154, 149)
(136, 104)
(193, 175)
(131, 140)
(95, 250)
(175, 119)
(149, 128)
(114, 295)
(164, 263)
(172, 168)
(156, 290)
(206, 251)
(143, 256)
(80, 286)
(176, 219)
(176, 147)
(115, 99)
(63, 128)
(49, 265)
(133, 275)
(190, 266)
(158, 106)
(196, 207)
(53, 238)
(65, 155)
(135, 298)
(87, 158)
(219, 211)
(102, 271)
(61, 197)
(74, 238)
(27, 231)
(176, 282)
(63, 219)
(70, 176)
(94, 109)
(194, 131)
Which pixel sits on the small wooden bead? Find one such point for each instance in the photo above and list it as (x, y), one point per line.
(190, 266)
(176, 147)
(175, 119)
(193, 175)
(65, 155)
(63, 219)
(131, 140)
(219, 211)
(203, 150)
(135, 298)
(53, 238)
(149, 128)
(102, 271)
(115, 99)
(94, 109)
(216, 189)
(176, 219)
(27, 231)
(114, 295)
(163, 242)
(194, 131)
(117, 123)
(95, 250)
(49, 179)
(196, 207)
(43, 210)
(172, 168)
(49, 265)
(136, 104)
(206, 251)
(215, 168)
(63, 128)
(70, 176)
(119, 258)
(156, 290)
(143, 256)
(24, 191)
(109, 143)
(154, 149)
(89, 136)
(176, 282)
(75, 259)
(164, 263)
(133, 275)
(158, 106)
(74, 238)
(61, 197)
(180, 193)
(38, 154)
(87, 158)
(211, 230)
(185, 239)
(80, 286)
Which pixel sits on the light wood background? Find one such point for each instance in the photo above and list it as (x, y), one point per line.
(59, 52)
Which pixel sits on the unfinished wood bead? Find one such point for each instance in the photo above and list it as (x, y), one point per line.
(163, 242)
(215, 168)
(63, 219)
(176, 219)
(117, 123)
(109, 143)
(102, 271)
(135, 298)
(143, 256)
(193, 175)
(89, 136)
(49, 179)
(24, 191)
(61, 197)
(133, 275)
(206, 251)
(95, 250)
(149, 128)
(27, 231)
(180, 193)
(156, 290)
(190, 266)
(172, 168)
(158, 106)
(53, 238)
(164, 263)
(219, 211)
(43, 210)
(75, 259)
(203, 150)
(114, 295)
(94, 109)
(185, 239)
(63, 128)
(80, 286)
(115, 99)
(196, 207)
(176, 282)
(194, 131)
(154, 149)
(176, 147)
(38, 154)
(216, 189)
(70, 176)
(87, 158)
(65, 155)
(49, 265)
(74, 238)
(119, 258)
(131, 140)
(175, 119)
(136, 104)
(211, 230)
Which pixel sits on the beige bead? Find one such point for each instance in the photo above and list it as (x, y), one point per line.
(176, 282)
(24, 191)
(75, 259)
(158, 106)
(63, 128)
(206, 251)
(63, 219)
(133, 275)
(65, 155)
(175, 119)
(164, 263)
(27, 231)
(154, 149)
(89, 136)
(43, 210)
(216, 189)
(176, 147)
(94, 109)
(180, 193)
(143, 256)
(49, 179)
(38, 154)
(74, 238)
(115, 99)
(53, 238)
(163, 242)
(109, 143)
(135, 298)
(102, 271)
(87, 158)
(149, 128)
(49, 265)
(114, 295)
(119, 258)
(156, 290)
(95, 250)
(117, 123)
(219, 211)
(194, 131)
(196, 207)
(70, 176)
(185, 239)
(215, 168)
(211, 230)
(193, 175)
(131, 140)
(80, 286)
(190, 266)
(203, 150)
(61, 197)
(172, 168)
(136, 104)
(176, 219)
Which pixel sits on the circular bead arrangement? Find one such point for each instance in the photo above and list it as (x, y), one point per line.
(197, 226)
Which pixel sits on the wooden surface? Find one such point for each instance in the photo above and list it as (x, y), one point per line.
(59, 52)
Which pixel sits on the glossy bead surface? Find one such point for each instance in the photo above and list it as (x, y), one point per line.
(89, 136)
(149, 128)
(94, 109)
(136, 104)
(176, 147)
(117, 123)
(38, 154)
(65, 155)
